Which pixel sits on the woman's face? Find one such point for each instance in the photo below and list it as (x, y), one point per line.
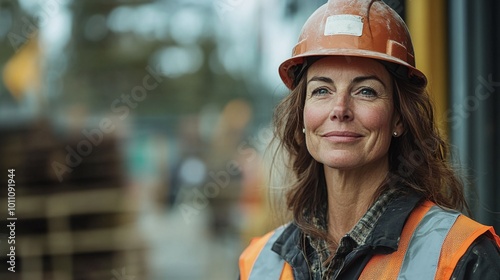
(348, 112)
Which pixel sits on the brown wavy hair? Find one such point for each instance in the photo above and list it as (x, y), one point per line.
(418, 159)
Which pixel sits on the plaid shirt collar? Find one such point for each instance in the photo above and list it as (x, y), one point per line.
(353, 239)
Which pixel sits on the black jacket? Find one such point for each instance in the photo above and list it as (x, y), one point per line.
(481, 261)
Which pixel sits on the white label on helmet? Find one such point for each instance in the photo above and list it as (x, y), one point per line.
(344, 25)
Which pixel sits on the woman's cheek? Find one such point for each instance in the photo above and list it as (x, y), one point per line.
(314, 116)
(375, 118)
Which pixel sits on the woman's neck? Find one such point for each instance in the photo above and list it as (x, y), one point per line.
(350, 195)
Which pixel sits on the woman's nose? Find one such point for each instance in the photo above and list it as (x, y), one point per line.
(341, 109)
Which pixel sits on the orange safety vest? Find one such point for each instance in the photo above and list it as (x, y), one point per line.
(432, 242)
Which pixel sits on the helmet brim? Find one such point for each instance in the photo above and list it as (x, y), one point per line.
(291, 68)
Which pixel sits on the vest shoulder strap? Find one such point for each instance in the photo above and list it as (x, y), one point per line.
(432, 242)
(250, 254)
(461, 236)
(258, 261)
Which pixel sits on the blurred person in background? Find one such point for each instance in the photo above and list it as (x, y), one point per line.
(374, 195)
(226, 168)
(189, 170)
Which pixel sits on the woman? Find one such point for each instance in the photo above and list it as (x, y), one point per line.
(374, 197)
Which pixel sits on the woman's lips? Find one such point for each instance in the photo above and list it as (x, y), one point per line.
(342, 136)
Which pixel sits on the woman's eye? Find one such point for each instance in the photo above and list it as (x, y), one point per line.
(368, 92)
(320, 91)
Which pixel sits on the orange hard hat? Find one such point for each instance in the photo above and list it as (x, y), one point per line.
(362, 28)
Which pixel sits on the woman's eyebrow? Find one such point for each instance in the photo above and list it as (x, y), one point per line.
(364, 78)
(320, 79)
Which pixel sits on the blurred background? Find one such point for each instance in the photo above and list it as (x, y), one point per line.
(138, 128)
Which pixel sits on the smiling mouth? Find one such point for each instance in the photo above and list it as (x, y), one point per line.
(342, 136)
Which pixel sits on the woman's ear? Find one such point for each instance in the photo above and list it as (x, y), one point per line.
(397, 127)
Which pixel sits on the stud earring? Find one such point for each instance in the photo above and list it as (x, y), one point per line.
(395, 133)
(304, 130)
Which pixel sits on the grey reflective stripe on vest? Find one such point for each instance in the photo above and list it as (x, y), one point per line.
(422, 257)
(268, 264)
